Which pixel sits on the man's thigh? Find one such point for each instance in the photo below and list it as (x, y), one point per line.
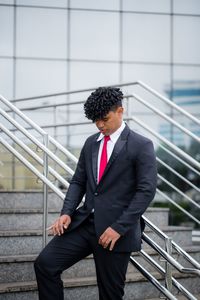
(65, 250)
(111, 270)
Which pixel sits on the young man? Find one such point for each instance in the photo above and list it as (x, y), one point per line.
(117, 174)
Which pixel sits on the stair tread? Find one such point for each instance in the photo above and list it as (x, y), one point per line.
(81, 281)
(26, 210)
(39, 232)
(31, 257)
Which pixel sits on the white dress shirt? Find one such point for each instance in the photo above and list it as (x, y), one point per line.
(111, 143)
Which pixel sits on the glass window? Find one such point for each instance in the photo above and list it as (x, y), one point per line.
(6, 78)
(146, 38)
(186, 40)
(36, 78)
(88, 75)
(155, 76)
(6, 31)
(50, 3)
(91, 4)
(187, 88)
(41, 32)
(94, 35)
(147, 5)
(186, 7)
(6, 1)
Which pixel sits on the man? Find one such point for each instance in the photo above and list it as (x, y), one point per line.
(117, 174)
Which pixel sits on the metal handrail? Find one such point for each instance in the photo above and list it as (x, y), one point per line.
(169, 258)
(178, 174)
(32, 168)
(71, 92)
(55, 105)
(163, 235)
(178, 158)
(33, 154)
(178, 206)
(37, 128)
(36, 142)
(193, 161)
(180, 287)
(152, 279)
(169, 102)
(178, 191)
(164, 116)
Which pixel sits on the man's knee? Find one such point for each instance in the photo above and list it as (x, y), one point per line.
(42, 263)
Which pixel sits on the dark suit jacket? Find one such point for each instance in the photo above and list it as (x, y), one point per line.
(126, 188)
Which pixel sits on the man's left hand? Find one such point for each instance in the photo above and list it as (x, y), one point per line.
(109, 237)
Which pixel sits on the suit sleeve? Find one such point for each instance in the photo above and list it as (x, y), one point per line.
(146, 181)
(77, 187)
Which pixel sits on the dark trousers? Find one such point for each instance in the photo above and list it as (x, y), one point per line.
(65, 250)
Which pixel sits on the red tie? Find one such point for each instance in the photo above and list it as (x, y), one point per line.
(104, 159)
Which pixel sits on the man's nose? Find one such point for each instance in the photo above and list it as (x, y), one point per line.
(99, 124)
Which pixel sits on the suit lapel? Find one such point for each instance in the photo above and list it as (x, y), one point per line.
(95, 150)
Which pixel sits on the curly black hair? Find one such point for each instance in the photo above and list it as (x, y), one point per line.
(101, 101)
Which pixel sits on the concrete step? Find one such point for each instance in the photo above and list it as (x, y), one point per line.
(20, 242)
(28, 200)
(196, 237)
(20, 219)
(19, 268)
(158, 216)
(136, 288)
(16, 242)
(26, 218)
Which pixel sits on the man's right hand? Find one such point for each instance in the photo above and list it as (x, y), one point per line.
(60, 224)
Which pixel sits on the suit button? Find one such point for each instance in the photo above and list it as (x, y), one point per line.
(96, 194)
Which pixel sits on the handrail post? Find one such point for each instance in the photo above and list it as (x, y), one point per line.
(45, 191)
(168, 266)
(128, 109)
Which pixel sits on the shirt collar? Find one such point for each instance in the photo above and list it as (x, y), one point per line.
(114, 136)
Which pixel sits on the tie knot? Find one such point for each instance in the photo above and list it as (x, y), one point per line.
(106, 138)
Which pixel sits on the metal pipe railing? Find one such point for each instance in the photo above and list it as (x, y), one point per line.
(178, 174)
(36, 142)
(164, 140)
(152, 279)
(32, 168)
(55, 105)
(178, 191)
(178, 206)
(163, 235)
(169, 258)
(164, 116)
(36, 127)
(71, 92)
(178, 158)
(169, 102)
(180, 287)
(33, 154)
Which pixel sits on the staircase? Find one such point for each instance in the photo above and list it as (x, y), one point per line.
(24, 216)
(21, 241)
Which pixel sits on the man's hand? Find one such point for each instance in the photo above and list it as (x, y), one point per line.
(60, 224)
(110, 236)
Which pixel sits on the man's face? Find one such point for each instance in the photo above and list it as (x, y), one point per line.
(111, 122)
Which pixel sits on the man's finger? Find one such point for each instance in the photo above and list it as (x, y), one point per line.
(112, 245)
(102, 237)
